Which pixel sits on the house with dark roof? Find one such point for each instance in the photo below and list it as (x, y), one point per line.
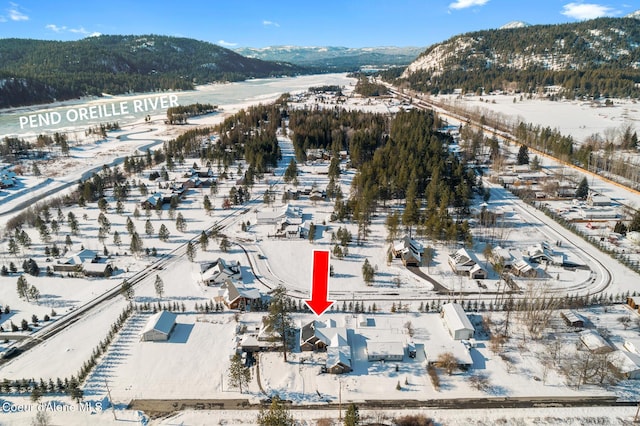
(326, 336)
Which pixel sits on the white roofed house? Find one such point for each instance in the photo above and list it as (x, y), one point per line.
(522, 268)
(275, 216)
(326, 336)
(409, 250)
(542, 253)
(220, 271)
(236, 295)
(457, 322)
(159, 327)
(463, 262)
(87, 262)
(598, 200)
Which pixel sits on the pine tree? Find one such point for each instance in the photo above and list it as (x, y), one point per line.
(583, 189)
(191, 251)
(148, 228)
(136, 245)
(278, 318)
(277, 414)
(126, 289)
(204, 241)
(181, 223)
(224, 244)
(367, 272)
(352, 416)
(239, 375)
(523, 155)
(159, 286)
(163, 233)
(23, 288)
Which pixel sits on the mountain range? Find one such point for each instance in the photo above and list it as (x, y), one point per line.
(599, 57)
(334, 58)
(38, 71)
(594, 57)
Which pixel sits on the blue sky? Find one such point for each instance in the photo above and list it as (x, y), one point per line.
(231, 23)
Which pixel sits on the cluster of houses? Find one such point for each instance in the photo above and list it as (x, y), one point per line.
(626, 359)
(287, 220)
(227, 276)
(516, 262)
(197, 179)
(370, 339)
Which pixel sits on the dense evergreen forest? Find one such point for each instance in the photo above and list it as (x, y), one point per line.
(405, 160)
(337, 130)
(38, 71)
(589, 58)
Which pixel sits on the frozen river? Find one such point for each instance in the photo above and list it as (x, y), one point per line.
(78, 115)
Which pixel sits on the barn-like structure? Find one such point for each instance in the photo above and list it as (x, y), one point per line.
(159, 327)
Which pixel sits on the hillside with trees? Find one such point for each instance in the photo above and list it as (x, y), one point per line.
(39, 71)
(598, 57)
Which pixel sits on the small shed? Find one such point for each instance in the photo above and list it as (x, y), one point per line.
(457, 322)
(595, 342)
(572, 318)
(159, 327)
(628, 363)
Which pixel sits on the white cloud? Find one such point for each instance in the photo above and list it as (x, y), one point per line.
(463, 4)
(80, 30)
(270, 23)
(15, 14)
(583, 11)
(55, 28)
(65, 29)
(226, 43)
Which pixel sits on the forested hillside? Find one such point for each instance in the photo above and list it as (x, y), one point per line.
(595, 57)
(37, 71)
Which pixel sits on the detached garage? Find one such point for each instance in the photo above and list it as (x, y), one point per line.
(159, 327)
(456, 321)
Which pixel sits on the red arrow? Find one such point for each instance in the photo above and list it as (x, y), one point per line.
(320, 283)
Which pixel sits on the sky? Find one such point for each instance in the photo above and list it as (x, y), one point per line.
(259, 23)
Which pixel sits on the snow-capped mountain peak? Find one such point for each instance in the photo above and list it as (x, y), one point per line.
(514, 24)
(635, 14)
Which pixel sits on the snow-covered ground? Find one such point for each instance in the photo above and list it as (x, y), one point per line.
(577, 118)
(194, 363)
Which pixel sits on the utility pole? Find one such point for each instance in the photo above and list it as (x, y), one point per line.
(113, 409)
(340, 399)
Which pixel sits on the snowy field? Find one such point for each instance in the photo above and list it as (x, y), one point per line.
(577, 118)
(194, 362)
